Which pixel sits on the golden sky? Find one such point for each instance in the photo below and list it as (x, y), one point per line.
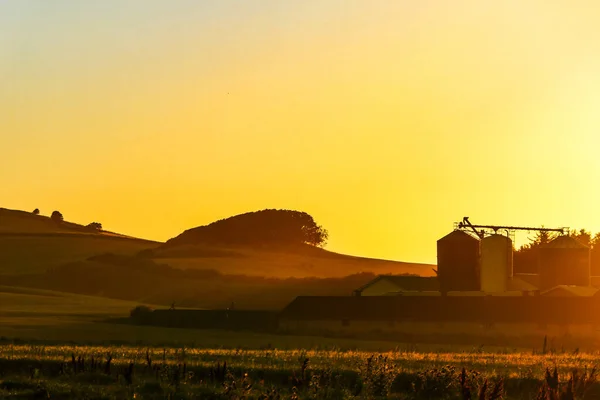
(385, 120)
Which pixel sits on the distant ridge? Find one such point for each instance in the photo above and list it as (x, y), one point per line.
(19, 223)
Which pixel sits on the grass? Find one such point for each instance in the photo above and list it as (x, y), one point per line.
(284, 264)
(24, 302)
(150, 372)
(34, 254)
(55, 317)
(33, 243)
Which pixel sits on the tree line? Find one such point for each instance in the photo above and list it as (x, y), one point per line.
(526, 257)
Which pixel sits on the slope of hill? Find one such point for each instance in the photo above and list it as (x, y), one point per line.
(144, 280)
(16, 222)
(28, 302)
(281, 262)
(32, 243)
(273, 243)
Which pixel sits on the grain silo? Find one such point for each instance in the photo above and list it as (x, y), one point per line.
(564, 261)
(496, 263)
(458, 262)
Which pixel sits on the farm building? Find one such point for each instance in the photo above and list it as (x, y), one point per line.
(458, 315)
(385, 285)
(570, 291)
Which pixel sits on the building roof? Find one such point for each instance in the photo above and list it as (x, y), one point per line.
(527, 280)
(459, 235)
(524, 282)
(414, 293)
(407, 282)
(565, 242)
(570, 290)
(527, 309)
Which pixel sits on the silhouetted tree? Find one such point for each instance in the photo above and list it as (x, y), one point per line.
(266, 227)
(140, 312)
(36, 211)
(94, 226)
(595, 254)
(526, 258)
(583, 236)
(57, 217)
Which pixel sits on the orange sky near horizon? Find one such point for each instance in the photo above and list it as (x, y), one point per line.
(387, 121)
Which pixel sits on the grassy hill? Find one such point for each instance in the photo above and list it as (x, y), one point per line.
(22, 222)
(36, 303)
(281, 262)
(275, 243)
(198, 269)
(33, 243)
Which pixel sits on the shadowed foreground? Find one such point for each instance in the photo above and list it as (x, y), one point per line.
(131, 372)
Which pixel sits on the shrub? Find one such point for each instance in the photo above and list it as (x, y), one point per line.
(94, 226)
(140, 312)
(57, 217)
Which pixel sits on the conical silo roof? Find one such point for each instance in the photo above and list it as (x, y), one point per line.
(458, 235)
(565, 242)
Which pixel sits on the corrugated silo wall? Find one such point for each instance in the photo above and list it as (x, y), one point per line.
(496, 263)
(564, 266)
(458, 262)
(564, 261)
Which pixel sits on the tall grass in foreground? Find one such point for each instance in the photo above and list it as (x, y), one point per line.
(131, 372)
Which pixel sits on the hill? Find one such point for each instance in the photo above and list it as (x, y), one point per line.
(16, 222)
(281, 262)
(32, 243)
(273, 243)
(203, 267)
(258, 228)
(146, 281)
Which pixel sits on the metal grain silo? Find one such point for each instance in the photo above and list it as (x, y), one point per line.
(496, 263)
(564, 261)
(458, 262)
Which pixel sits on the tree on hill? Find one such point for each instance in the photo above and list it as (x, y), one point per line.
(94, 226)
(266, 227)
(57, 217)
(36, 211)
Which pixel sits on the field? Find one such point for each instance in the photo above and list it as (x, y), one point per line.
(54, 317)
(121, 372)
(284, 264)
(42, 332)
(26, 254)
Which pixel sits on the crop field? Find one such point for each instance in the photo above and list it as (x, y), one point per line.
(111, 372)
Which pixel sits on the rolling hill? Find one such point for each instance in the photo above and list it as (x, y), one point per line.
(33, 243)
(281, 262)
(250, 260)
(274, 243)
